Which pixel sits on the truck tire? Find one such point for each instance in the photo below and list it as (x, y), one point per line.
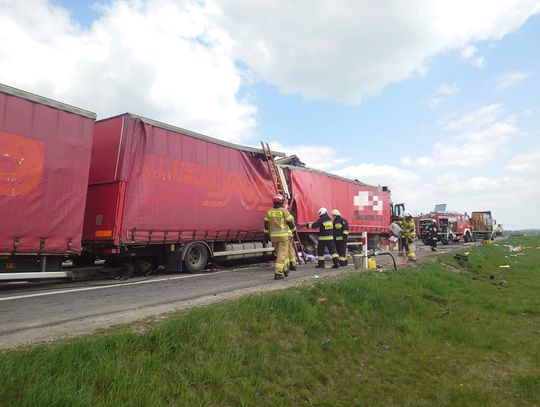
(467, 238)
(196, 257)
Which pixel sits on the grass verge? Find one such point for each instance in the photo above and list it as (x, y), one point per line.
(449, 332)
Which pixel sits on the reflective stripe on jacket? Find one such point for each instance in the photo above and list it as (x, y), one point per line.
(278, 222)
(326, 227)
(341, 228)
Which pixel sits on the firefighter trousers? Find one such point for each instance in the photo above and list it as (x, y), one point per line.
(408, 246)
(331, 246)
(341, 247)
(281, 247)
(292, 254)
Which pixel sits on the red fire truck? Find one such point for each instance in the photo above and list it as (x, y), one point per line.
(452, 226)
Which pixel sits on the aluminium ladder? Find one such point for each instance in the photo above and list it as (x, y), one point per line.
(279, 182)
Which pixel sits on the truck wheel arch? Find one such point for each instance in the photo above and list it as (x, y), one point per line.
(201, 252)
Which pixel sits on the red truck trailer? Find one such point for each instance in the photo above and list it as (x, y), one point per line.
(367, 208)
(44, 162)
(160, 194)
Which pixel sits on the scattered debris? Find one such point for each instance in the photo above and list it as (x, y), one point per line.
(385, 346)
(326, 342)
(513, 248)
(504, 266)
(316, 276)
(321, 300)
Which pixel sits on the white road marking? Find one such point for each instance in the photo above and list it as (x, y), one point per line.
(73, 290)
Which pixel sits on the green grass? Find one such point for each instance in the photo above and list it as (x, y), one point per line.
(447, 332)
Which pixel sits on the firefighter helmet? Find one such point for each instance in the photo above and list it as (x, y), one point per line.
(407, 214)
(278, 198)
(322, 211)
(335, 212)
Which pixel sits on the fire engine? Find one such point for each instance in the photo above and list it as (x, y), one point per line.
(452, 226)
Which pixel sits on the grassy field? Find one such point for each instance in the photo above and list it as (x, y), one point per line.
(449, 332)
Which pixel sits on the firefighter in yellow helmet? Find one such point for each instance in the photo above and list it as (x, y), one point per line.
(408, 235)
(277, 223)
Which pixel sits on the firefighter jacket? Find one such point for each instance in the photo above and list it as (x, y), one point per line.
(409, 231)
(432, 233)
(326, 227)
(341, 228)
(277, 223)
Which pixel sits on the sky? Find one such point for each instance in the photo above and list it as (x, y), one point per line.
(438, 100)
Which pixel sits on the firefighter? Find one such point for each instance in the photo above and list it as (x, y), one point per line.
(277, 224)
(432, 236)
(341, 233)
(326, 238)
(292, 253)
(408, 235)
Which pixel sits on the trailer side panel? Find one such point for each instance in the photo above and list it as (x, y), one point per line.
(44, 163)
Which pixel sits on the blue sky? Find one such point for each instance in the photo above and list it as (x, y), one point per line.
(442, 105)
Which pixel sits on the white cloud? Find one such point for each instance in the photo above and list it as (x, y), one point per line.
(510, 79)
(314, 156)
(159, 58)
(351, 49)
(443, 93)
(526, 163)
(468, 53)
(377, 174)
(478, 118)
(480, 134)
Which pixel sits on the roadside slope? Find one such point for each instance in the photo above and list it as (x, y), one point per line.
(448, 332)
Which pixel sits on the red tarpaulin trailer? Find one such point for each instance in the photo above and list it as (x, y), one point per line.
(44, 161)
(366, 207)
(155, 184)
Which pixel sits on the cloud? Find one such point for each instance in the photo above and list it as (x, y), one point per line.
(377, 174)
(475, 140)
(351, 49)
(314, 156)
(510, 79)
(159, 58)
(443, 93)
(526, 163)
(468, 54)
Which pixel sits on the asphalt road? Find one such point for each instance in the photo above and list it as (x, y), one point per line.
(32, 313)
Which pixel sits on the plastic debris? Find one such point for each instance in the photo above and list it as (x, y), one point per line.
(504, 266)
(385, 346)
(315, 276)
(320, 300)
(326, 341)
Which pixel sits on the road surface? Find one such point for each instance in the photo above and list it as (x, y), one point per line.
(31, 313)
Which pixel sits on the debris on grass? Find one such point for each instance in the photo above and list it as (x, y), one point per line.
(504, 266)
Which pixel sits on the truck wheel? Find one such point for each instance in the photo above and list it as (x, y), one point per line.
(196, 257)
(467, 237)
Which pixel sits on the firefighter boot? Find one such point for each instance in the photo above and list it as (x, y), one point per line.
(279, 276)
(336, 263)
(292, 267)
(320, 264)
